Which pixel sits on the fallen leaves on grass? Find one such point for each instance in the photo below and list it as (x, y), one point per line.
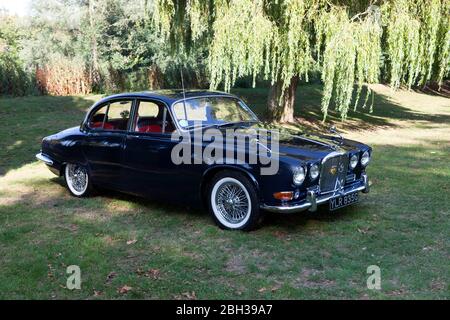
(272, 289)
(275, 287)
(97, 293)
(124, 289)
(282, 235)
(150, 273)
(437, 285)
(186, 296)
(312, 278)
(108, 240)
(50, 273)
(279, 234)
(131, 241)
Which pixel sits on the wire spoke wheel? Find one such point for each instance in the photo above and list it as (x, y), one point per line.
(77, 179)
(231, 202)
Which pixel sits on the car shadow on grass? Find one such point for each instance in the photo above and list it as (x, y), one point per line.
(294, 221)
(151, 204)
(196, 212)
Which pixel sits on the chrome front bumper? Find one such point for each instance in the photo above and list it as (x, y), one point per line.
(312, 200)
(44, 159)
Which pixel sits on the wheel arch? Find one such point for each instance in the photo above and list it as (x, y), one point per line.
(211, 172)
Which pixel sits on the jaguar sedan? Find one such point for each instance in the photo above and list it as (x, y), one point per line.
(126, 143)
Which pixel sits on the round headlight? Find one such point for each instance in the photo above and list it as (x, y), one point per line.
(314, 171)
(353, 161)
(299, 176)
(365, 158)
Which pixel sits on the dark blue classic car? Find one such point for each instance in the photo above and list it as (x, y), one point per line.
(158, 145)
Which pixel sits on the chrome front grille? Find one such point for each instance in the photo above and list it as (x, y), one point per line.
(333, 172)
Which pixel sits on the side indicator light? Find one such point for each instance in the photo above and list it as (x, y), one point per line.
(284, 195)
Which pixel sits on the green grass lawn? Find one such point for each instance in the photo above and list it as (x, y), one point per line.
(403, 225)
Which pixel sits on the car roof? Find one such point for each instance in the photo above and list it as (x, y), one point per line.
(170, 95)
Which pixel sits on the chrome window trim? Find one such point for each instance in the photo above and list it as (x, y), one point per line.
(166, 109)
(206, 96)
(102, 103)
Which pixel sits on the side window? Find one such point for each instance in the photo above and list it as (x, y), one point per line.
(118, 115)
(98, 118)
(112, 116)
(152, 117)
(148, 109)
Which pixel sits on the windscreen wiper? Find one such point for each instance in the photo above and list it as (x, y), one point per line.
(227, 124)
(218, 125)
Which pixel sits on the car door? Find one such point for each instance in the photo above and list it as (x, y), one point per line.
(148, 167)
(105, 140)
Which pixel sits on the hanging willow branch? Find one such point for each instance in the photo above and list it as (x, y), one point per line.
(242, 43)
(283, 39)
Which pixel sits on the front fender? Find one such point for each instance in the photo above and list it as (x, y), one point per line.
(243, 168)
(64, 147)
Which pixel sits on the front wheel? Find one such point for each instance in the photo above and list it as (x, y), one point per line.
(77, 180)
(233, 201)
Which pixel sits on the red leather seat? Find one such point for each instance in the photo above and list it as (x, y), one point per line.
(100, 124)
(150, 128)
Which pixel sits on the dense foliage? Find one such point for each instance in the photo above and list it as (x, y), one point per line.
(80, 46)
(13, 78)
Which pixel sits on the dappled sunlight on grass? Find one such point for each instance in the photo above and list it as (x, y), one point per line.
(23, 184)
(392, 109)
(29, 119)
(406, 136)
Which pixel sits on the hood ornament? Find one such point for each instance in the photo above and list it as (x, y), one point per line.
(334, 131)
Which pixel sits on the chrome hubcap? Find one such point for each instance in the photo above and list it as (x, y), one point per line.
(77, 177)
(232, 202)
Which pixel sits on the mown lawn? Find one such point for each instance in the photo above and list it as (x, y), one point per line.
(175, 252)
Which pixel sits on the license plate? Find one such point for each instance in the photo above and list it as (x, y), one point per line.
(342, 201)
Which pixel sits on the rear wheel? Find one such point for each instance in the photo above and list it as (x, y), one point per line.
(233, 201)
(77, 180)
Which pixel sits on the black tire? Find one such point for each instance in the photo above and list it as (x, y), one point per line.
(241, 209)
(71, 173)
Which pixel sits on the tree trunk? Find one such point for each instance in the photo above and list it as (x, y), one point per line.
(281, 108)
(155, 77)
(94, 72)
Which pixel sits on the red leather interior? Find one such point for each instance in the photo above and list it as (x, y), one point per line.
(100, 124)
(150, 128)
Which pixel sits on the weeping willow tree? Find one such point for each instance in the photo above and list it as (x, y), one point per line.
(349, 43)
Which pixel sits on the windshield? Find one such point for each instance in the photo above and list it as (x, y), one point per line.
(211, 111)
